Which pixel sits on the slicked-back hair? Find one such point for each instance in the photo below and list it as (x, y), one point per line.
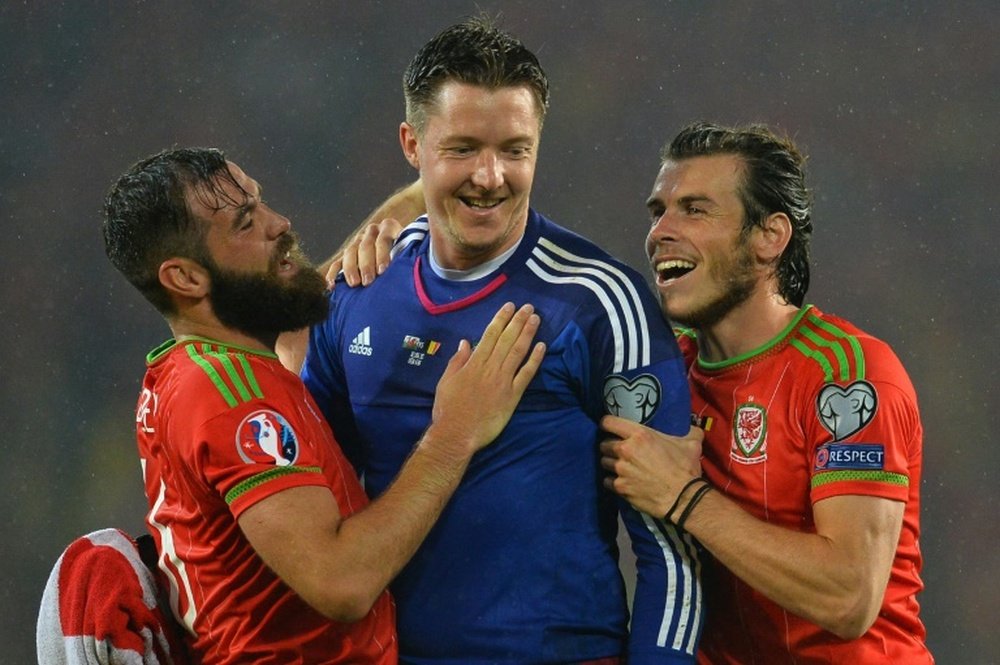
(773, 181)
(147, 219)
(474, 52)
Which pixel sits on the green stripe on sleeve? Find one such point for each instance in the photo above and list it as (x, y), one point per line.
(251, 379)
(836, 348)
(868, 476)
(213, 375)
(227, 364)
(815, 355)
(261, 478)
(859, 356)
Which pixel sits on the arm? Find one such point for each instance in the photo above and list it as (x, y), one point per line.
(365, 253)
(835, 577)
(340, 566)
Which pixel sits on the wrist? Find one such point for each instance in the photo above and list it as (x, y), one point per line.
(689, 496)
(439, 442)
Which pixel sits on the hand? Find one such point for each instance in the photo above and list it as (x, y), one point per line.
(649, 468)
(366, 254)
(480, 388)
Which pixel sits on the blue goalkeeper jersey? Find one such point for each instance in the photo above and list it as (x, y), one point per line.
(522, 565)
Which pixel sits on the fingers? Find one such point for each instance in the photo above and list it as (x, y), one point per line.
(507, 340)
(336, 265)
(349, 263)
(389, 230)
(366, 253)
(620, 427)
(494, 329)
(528, 370)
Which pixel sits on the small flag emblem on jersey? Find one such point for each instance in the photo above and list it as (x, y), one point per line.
(419, 349)
(414, 343)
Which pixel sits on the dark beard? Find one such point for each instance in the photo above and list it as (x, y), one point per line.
(740, 281)
(263, 305)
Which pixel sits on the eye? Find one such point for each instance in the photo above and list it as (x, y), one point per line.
(693, 210)
(655, 213)
(518, 152)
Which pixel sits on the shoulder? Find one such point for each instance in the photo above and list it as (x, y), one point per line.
(411, 237)
(561, 256)
(211, 378)
(845, 352)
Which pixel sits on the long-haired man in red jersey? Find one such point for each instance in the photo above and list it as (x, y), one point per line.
(809, 495)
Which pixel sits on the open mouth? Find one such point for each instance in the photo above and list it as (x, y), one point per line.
(479, 203)
(671, 269)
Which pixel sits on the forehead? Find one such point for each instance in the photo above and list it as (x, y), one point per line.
(220, 196)
(714, 176)
(461, 107)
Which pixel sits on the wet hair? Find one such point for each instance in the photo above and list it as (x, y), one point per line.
(475, 52)
(773, 181)
(147, 219)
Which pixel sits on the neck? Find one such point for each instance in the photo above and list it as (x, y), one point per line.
(750, 325)
(184, 328)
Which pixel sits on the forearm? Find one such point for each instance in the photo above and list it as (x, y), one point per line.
(377, 542)
(837, 583)
(341, 566)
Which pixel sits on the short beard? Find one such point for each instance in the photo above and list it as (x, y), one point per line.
(264, 305)
(739, 279)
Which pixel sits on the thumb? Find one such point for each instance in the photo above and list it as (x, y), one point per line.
(620, 427)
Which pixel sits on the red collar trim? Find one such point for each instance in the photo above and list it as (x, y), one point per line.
(470, 299)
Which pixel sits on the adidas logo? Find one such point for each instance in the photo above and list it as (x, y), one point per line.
(361, 344)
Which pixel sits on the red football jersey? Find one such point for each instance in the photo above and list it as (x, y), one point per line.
(219, 429)
(822, 410)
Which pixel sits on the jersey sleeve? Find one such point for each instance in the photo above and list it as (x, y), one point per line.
(643, 378)
(254, 451)
(866, 429)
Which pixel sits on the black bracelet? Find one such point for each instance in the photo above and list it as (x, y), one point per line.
(677, 501)
(702, 491)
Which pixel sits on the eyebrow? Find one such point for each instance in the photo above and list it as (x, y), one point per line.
(249, 205)
(684, 200)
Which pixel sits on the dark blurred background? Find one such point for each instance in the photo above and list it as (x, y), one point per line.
(896, 103)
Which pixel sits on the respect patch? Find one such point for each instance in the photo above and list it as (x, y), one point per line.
(850, 456)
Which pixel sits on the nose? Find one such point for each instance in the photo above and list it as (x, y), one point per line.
(488, 173)
(278, 225)
(662, 230)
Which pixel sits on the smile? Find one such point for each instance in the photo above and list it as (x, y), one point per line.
(671, 269)
(480, 204)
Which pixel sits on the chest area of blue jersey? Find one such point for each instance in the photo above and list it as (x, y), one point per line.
(394, 347)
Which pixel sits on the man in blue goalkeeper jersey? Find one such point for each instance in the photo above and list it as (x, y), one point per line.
(522, 565)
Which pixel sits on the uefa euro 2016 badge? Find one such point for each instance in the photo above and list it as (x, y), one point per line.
(749, 434)
(265, 437)
(636, 399)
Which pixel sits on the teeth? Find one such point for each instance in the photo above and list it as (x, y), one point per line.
(482, 203)
(674, 264)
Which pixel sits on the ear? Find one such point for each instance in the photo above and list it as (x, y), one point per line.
(409, 141)
(772, 237)
(184, 278)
